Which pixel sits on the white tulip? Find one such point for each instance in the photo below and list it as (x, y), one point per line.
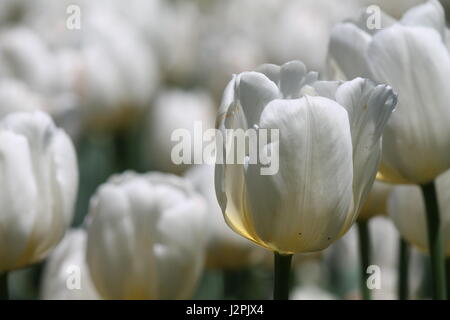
(175, 110)
(24, 56)
(329, 148)
(16, 96)
(66, 275)
(412, 56)
(39, 185)
(311, 293)
(376, 201)
(225, 249)
(406, 207)
(146, 237)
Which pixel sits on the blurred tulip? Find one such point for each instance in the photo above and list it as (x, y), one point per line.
(311, 293)
(175, 110)
(146, 237)
(15, 96)
(24, 56)
(375, 203)
(225, 249)
(417, 137)
(324, 174)
(406, 207)
(66, 275)
(39, 187)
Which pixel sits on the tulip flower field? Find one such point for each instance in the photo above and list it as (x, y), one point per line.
(224, 150)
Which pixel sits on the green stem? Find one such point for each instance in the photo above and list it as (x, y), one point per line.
(447, 271)
(403, 270)
(281, 279)
(4, 292)
(435, 241)
(364, 255)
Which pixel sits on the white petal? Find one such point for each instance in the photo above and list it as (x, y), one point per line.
(369, 107)
(17, 214)
(255, 90)
(272, 71)
(416, 140)
(430, 14)
(347, 49)
(304, 206)
(293, 76)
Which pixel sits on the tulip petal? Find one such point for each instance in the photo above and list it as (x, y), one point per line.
(293, 76)
(367, 16)
(272, 71)
(304, 206)
(347, 49)
(255, 90)
(430, 14)
(417, 137)
(407, 210)
(369, 107)
(17, 213)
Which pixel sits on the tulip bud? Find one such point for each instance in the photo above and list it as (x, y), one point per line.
(328, 151)
(225, 249)
(406, 207)
(417, 137)
(146, 237)
(66, 275)
(39, 185)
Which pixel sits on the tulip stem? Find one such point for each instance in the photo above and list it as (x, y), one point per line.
(447, 274)
(4, 286)
(403, 270)
(281, 278)
(364, 256)
(435, 241)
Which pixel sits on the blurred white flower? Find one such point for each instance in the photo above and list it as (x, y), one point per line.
(175, 110)
(66, 275)
(376, 202)
(225, 249)
(24, 56)
(406, 207)
(343, 256)
(146, 237)
(16, 96)
(394, 8)
(417, 137)
(311, 293)
(39, 185)
(331, 163)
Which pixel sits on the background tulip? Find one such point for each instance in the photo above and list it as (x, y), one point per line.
(417, 137)
(406, 207)
(376, 201)
(39, 161)
(66, 275)
(324, 175)
(146, 237)
(225, 249)
(175, 110)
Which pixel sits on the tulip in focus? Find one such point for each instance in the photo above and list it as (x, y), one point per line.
(329, 149)
(146, 237)
(39, 185)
